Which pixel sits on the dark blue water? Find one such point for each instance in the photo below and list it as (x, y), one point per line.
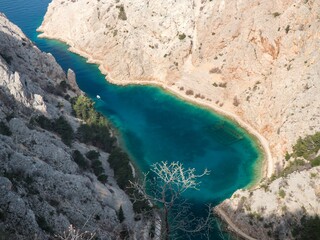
(154, 125)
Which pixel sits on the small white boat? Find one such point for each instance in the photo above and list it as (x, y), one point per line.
(98, 96)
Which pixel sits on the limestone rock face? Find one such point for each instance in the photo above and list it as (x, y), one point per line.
(273, 211)
(258, 60)
(42, 189)
(71, 76)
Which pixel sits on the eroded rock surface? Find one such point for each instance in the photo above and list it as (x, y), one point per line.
(276, 210)
(42, 189)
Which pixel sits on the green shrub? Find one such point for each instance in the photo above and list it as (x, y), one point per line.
(284, 208)
(308, 229)
(297, 164)
(29, 179)
(287, 29)
(276, 14)
(287, 156)
(93, 155)
(182, 36)
(80, 160)
(282, 193)
(96, 131)
(103, 178)
(42, 121)
(81, 106)
(255, 215)
(124, 234)
(139, 206)
(7, 58)
(4, 235)
(96, 163)
(43, 224)
(3, 215)
(98, 171)
(122, 14)
(10, 116)
(308, 146)
(315, 162)
(96, 135)
(56, 90)
(121, 215)
(64, 129)
(4, 129)
(60, 126)
(301, 148)
(119, 162)
(64, 86)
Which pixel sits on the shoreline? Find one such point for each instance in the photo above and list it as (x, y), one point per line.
(267, 164)
(232, 227)
(265, 161)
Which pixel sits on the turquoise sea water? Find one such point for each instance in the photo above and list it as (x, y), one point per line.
(154, 125)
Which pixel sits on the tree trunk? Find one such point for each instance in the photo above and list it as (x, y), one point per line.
(167, 227)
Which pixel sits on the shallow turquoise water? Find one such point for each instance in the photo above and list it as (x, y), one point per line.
(154, 125)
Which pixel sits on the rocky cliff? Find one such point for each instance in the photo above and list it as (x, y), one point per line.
(258, 61)
(279, 210)
(43, 191)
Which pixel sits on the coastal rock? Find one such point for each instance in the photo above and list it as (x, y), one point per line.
(43, 191)
(254, 61)
(275, 210)
(71, 76)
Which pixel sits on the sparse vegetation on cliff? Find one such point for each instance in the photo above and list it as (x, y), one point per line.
(80, 159)
(303, 156)
(307, 147)
(119, 162)
(276, 14)
(308, 229)
(4, 129)
(182, 36)
(122, 14)
(120, 215)
(96, 130)
(59, 125)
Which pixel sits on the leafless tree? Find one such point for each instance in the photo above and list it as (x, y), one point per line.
(163, 187)
(75, 234)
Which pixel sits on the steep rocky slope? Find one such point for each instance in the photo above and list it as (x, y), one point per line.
(277, 210)
(257, 60)
(42, 189)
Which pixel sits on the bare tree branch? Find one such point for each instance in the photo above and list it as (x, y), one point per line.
(163, 187)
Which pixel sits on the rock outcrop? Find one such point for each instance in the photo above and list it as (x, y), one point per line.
(276, 210)
(257, 60)
(42, 189)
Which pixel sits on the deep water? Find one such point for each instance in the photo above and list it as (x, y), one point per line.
(154, 125)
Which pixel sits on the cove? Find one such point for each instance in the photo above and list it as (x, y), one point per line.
(154, 125)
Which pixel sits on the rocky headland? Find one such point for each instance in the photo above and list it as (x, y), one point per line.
(45, 189)
(256, 62)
